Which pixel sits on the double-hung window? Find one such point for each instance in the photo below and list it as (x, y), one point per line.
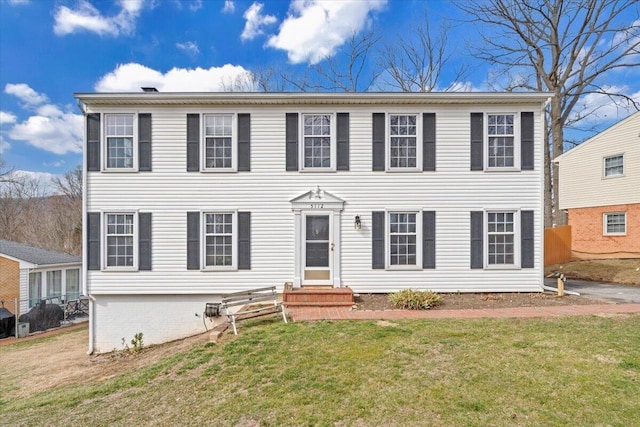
(219, 142)
(501, 238)
(615, 224)
(614, 166)
(403, 247)
(318, 142)
(120, 141)
(54, 284)
(501, 144)
(120, 237)
(404, 147)
(219, 243)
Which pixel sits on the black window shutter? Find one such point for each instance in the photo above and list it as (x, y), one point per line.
(244, 240)
(93, 241)
(93, 142)
(377, 239)
(193, 142)
(477, 137)
(343, 141)
(526, 140)
(144, 241)
(144, 142)
(292, 141)
(526, 234)
(193, 240)
(244, 142)
(428, 239)
(378, 143)
(429, 142)
(477, 239)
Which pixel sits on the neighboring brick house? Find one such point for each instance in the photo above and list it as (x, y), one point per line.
(30, 274)
(600, 188)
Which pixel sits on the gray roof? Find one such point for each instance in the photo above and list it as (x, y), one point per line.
(35, 255)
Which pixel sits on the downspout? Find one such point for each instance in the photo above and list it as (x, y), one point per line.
(85, 273)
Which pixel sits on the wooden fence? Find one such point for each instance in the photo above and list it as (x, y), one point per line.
(557, 245)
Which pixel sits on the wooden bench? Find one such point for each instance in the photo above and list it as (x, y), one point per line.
(247, 300)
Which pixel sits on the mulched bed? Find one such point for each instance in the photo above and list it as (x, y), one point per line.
(481, 300)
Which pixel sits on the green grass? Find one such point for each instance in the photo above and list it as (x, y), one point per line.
(499, 372)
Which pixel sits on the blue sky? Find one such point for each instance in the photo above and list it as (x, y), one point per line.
(50, 49)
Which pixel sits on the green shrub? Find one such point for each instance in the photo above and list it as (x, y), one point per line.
(408, 299)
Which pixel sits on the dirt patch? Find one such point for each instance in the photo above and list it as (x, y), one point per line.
(618, 271)
(480, 300)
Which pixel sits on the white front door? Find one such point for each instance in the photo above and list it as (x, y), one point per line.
(318, 249)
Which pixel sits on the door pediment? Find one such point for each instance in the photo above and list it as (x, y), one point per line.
(317, 199)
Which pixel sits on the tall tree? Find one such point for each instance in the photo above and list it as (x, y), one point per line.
(567, 47)
(415, 62)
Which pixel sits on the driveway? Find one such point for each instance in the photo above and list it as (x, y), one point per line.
(604, 291)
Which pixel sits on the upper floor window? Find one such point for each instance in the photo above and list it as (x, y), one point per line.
(219, 142)
(501, 140)
(403, 141)
(614, 166)
(318, 146)
(120, 141)
(120, 240)
(615, 223)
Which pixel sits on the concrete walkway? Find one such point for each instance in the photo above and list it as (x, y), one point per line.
(346, 313)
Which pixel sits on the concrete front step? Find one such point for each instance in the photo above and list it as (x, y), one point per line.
(318, 297)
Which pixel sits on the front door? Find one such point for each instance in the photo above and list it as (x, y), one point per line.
(318, 249)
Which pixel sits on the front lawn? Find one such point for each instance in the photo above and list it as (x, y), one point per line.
(499, 372)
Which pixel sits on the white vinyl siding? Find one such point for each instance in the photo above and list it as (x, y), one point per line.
(120, 141)
(452, 192)
(582, 169)
(615, 224)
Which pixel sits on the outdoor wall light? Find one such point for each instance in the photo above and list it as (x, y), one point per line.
(358, 223)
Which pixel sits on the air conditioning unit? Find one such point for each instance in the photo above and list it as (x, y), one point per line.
(23, 329)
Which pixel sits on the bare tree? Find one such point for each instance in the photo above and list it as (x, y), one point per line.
(567, 47)
(5, 173)
(349, 70)
(415, 63)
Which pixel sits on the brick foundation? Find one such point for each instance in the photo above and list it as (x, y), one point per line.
(9, 281)
(587, 233)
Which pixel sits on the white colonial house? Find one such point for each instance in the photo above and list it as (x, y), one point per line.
(190, 196)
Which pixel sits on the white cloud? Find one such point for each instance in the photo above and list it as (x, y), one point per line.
(314, 29)
(6, 117)
(87, 18)
(196, 5)
(131, 77)
(255, 21)
(49, 128)
(595, 107)
(190, 48)
(44, 181)
(229, 6)
(25, 94)
(4, 145)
